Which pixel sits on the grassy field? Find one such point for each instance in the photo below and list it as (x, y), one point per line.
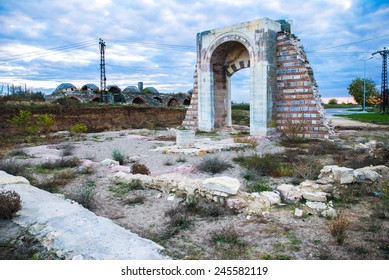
(329, 106)
(376, 118)
(240, 113)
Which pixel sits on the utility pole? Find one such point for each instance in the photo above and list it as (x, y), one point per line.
(103, 79)
(384, 79)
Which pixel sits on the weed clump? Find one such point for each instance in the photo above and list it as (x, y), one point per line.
(84, 194)
(258, 186)
(14, 168)
(18, 153)
(138, 168)
(10, 203)
(67, 149)
(61, 163)
(338, 228)
(213, 165)
(227, 243)
(118, 156)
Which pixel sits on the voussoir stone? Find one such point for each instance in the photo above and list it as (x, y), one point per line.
(222, 184)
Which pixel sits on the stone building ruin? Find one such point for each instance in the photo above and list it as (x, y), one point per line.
(130, 95)
(283, 89)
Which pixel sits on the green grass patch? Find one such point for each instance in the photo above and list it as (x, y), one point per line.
(376, 118)
(328, 106)
(124, 188)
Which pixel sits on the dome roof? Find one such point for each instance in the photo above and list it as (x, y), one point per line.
(64, 87)
(151, 90)
(113, 89)
(132, 89)
(92, 87)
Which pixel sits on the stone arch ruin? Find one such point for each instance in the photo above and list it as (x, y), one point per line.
(282, 86)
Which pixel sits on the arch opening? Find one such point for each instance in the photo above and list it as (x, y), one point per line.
(227, 59)
(138, 101)
(173, 102)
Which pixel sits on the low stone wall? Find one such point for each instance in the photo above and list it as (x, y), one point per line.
(332, 182)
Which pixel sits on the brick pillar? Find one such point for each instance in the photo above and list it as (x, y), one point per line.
(191, 116)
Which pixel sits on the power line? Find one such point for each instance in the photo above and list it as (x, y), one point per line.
(348, 44)
(61, 49)
(156, 45)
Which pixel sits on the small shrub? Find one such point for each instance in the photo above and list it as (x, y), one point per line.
(252, 142)
(179, 217)
(308, 167)
(10, 203)
(138, 168)
(67, 149)
(167, 163)
(293, 131)
(284, 170)
(84, 194)
(45, 122)
(14, 168)
(181, 159)
(78, 128)
(23, 121)
(226, 235)
(118, 156)
(259, 186)
(263, 165)
(61, 163)
(125, 188)
(18, 153)
(213, 165)
(228, 244)
(338, 228)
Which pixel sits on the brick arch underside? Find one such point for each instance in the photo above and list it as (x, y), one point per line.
(227, 58)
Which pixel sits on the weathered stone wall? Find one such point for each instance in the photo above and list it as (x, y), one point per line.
(99, 118)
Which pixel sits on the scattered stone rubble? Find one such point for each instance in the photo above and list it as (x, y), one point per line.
(316, 195)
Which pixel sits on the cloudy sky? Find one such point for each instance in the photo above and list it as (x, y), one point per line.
(45, 43)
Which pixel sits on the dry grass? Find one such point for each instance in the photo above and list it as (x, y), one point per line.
(338, 227)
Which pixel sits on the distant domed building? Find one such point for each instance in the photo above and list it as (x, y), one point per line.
(132, 90)
(113, 89)
(152, 90)
(91, 87)
(64, 87)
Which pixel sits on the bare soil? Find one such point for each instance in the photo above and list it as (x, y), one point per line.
(206, 231)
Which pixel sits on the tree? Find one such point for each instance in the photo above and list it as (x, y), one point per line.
(356, 90)
(333, 101)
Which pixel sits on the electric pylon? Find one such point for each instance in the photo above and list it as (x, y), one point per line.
(384, 80)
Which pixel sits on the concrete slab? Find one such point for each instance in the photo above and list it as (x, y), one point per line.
(75, 232)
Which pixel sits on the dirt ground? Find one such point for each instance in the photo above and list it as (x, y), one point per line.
(209, 232)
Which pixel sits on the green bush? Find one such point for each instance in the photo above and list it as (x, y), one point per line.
(10, 203)
(118, 156)
(78, 128)
(213, 165)
(258, 186)
(45, 121)
(24, 122)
